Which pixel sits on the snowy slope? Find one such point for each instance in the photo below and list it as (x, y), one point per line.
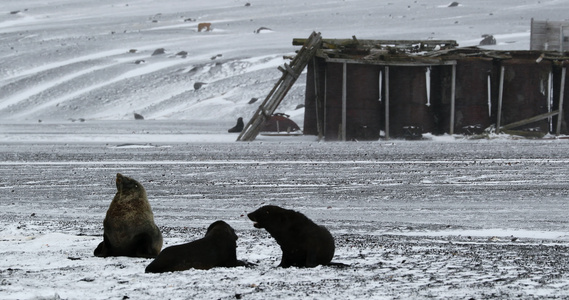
(68, 59)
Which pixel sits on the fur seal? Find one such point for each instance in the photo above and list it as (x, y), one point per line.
(304, 244)
(238, 127)
(215, 249)
(129, 228)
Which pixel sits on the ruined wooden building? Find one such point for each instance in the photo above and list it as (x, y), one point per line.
(549, 35)
(367, 89)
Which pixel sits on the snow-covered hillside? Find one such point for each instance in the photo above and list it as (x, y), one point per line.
(67, 59)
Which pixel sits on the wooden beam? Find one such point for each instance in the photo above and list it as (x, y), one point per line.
(452, 99)
(411, 61)
(561, 95)
(344, 100)
(281, 88)
(500, 98)
(420, 45)
(530, 120)
(318, 98)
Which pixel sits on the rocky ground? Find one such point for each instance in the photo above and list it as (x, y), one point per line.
(451, 219)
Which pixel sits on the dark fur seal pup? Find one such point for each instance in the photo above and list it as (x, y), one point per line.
(129, 228)
(215, 249)
(304, 244)
(238, 127)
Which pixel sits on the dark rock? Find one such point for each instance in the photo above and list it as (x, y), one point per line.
(138, 117)
(198, 85)
(253, 100)
(488, 39)
(454, 4)
(158, 51)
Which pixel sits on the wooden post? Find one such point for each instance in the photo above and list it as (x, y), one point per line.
(561, 92)
(344, 100)
(561, 38)
(386, 102)
(318, 98)
(489, 96)
(452, 99)
(500, 97)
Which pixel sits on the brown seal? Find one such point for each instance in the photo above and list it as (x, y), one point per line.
(215, 249)
(304, 244)
(129, 228)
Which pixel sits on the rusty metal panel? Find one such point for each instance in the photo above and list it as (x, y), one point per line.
(363, 106)
(310, 125)
(333, 101)
(408, 100)
(525, 92)
(472, 106)
(363, 113)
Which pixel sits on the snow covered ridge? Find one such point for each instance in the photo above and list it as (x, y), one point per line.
(73, 60)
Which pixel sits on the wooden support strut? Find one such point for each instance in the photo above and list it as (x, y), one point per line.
(290, 75)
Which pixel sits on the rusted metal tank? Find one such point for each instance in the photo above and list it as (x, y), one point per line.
(280, 123)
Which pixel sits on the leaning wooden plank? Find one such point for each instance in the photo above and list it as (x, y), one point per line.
(530, 120)
(290, 74)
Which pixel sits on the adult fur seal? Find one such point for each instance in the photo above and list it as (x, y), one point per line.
(238, 127)
(304, 244)
(215, 249)
(129, 228)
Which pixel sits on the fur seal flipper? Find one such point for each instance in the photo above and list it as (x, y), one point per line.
(304, 244)
(129, 228)
(215, 249)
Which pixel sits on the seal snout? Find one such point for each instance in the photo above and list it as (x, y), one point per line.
(252, 218)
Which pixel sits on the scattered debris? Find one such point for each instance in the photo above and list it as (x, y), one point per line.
(280, 124)
(260, 29)
(139, 61)
(488, 39)
(204, 26)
